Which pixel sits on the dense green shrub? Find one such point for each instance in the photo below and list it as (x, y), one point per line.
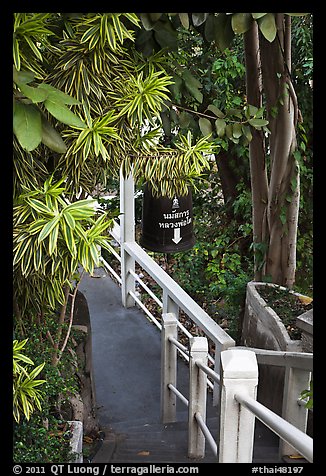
(45, 437)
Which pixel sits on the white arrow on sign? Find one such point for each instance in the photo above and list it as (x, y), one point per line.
(176, 238)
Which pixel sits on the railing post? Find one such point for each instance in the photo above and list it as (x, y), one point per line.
(169, 306)
(295, 381)
(168, 368)
(217, 368)
(127, 230)
(197, 396)
(239, 371)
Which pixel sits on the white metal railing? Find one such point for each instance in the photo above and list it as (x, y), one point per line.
(285, 430)
(238, 383)
(173, 298)
(298, 373)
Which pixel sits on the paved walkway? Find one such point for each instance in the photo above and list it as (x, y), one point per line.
(126, 365)
(126, 354)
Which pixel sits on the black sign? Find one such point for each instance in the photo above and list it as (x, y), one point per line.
(167, 224)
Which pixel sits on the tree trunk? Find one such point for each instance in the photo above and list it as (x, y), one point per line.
(258, 172)
(283, 193)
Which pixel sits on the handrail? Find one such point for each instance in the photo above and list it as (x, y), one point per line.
(214, 376)
(112, 271)
(208, 435)
(144, 286)
(180, 297)
(296, 438)
(178, 394)
(299, 360)
(179, 345)
(182, 349)
(144, 308)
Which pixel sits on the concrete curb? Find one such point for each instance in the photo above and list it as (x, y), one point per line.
(76, 442)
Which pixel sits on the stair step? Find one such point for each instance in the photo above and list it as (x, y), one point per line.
(144, 426)
(142, 441)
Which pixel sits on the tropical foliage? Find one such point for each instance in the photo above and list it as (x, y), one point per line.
(161, 95)
(26, 394)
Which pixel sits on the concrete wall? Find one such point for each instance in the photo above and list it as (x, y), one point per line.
(262, 328)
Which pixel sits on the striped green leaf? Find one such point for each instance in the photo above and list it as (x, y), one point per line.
(94, 253)
(53, 238)
(69, 219)
(100, 225)
(37, 226)
(21, 250)
(117, 27)
(69, 239)
(39, 206)
(16, 54)
(89, 33)
(37, 258)
(48, 228)
(110, 35)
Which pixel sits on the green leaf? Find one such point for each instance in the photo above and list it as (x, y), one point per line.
(63, 114)
(184, 18)
(23, 77)
(147, 22)
(250, 111)
(210, 28)
(69, 219)
(220, 126)
(267, 26)
(58, 96)
(190, 79)
(229, 131)
(199, 18)
(69, 239)
(51, 138)
(34, 94)
(27, 126)
(39, 206)
(117, 27)
(241, 22)
(258, 15)
(192, 84)
(224, 33)
(94, 252)
(297, 14)
(165, 35)
(237, 130)
(21, 250)
(155, 16)
(215, 110)
(53, 238)
(205, 126)
(184, 119)
(247, 133)
(48, 228)
(16, 54)
(258, 122)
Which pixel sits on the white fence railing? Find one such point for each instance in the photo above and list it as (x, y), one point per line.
(239, 380)
(234, 377)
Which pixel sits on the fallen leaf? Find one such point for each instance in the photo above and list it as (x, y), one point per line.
(143, 453)
(305, 300)
(87, 439)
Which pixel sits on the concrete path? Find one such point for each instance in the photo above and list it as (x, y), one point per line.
(126, 365)
(126, 354)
